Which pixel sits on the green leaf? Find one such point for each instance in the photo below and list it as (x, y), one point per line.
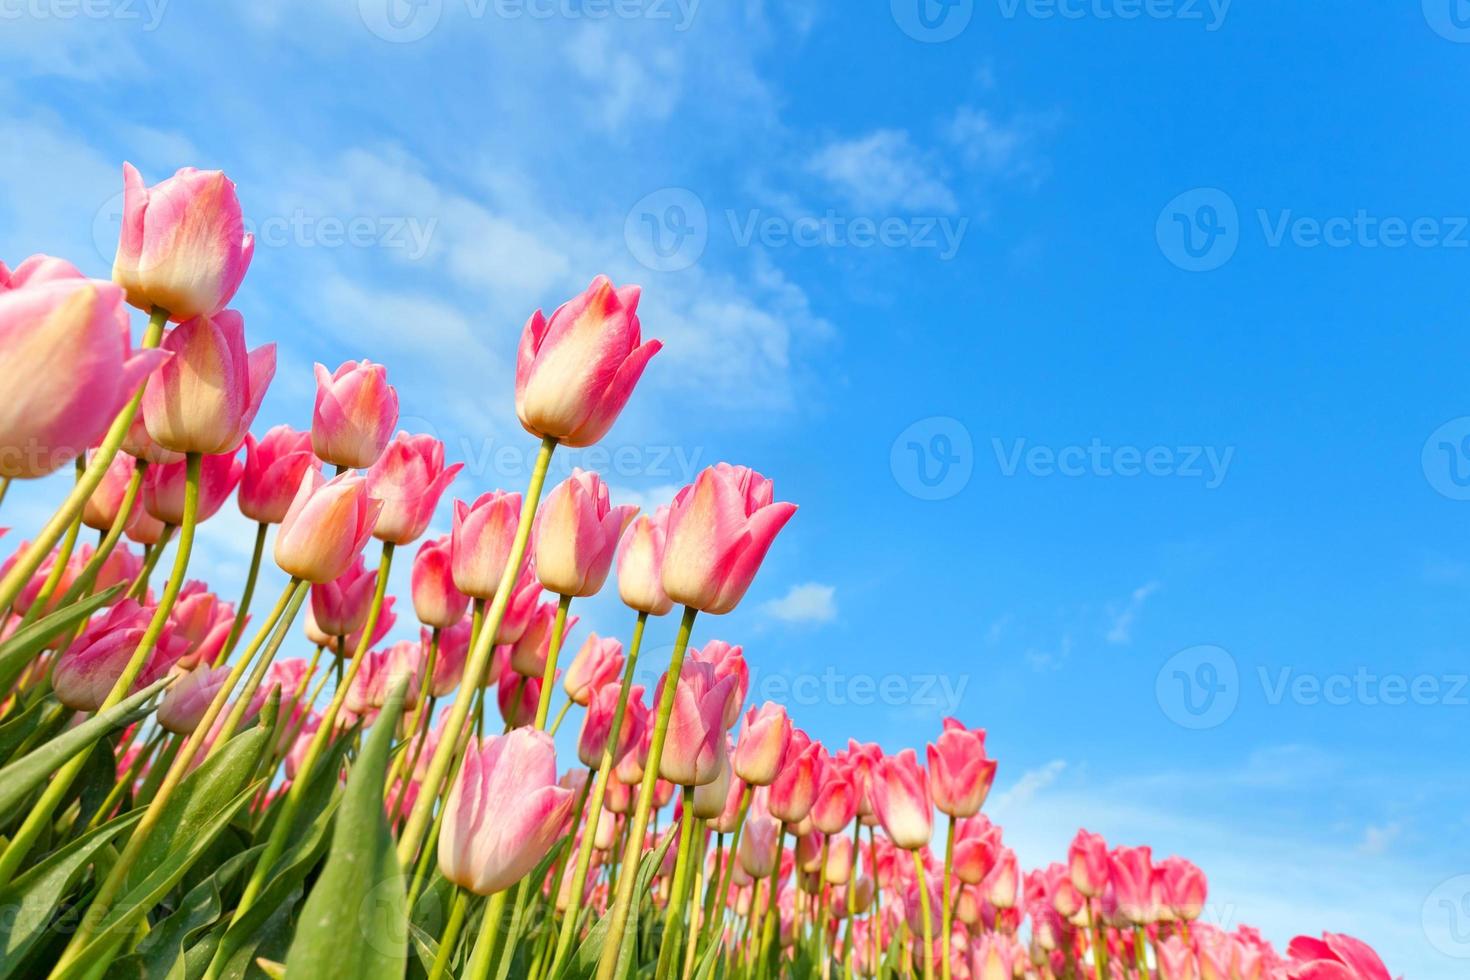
(20, 649)
(171, 940)
(32, 724)
(18, 779)
(584, 963)
(32, 898)
(354, 923)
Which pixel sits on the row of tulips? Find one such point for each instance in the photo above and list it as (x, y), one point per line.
(179, 798)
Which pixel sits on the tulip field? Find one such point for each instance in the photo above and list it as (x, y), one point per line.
(196, 785)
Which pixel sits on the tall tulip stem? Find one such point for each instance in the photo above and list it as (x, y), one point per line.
(553, 651)
(668, 951)
(238, 626)
(476, 663)
(927, 912)
(947, 904)
(26, 565)
(628, 874)
(728, 874)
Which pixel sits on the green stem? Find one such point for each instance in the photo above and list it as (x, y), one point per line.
(728, 875)
(594, 807)
(927, 912)
(82, 587)
(947, 913)
(262, 665)
(450, 939)
(1140, 951)
(38, 605)
(139, 588)
(479, 965)
(238, 626)
(553, 652)
(40, 814)
(771, 926)
(476, 664)
(612, 948)
(851, 895)
(26, 565)
(674, 913)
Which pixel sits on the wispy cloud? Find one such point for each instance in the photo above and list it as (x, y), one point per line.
(884, 170)
(1124, 615)
(811, 602)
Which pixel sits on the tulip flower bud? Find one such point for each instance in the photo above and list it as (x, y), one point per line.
(326, 527)
(761, 749)
(505, 812)
(356, 411)
(597, 724)
(140, 445)
(203, 399)
(728, 661)
(640, 564)
(409, 479)
(759, 845)
(576, 370)
(340, 607)
(143, 528)
(720, 529)
(836, 802)
(190, 696)
(694, 753)
(1132, 874)
(1184, 888)
(599, 662)
(1001, 884)
(960, 775)
(795, 788)
(381, 671)
(710, 797)
(183, 246)
(577, 532)
(901, 798)
(528, 654)
(164, 487)
(1087, 862)
(85, 673)
(436, 601)
(274, 466)
(483, 535)
(517, 696)
(102, 507)
(36, 269)
(838, 869)
(454, 648)
(66, 370)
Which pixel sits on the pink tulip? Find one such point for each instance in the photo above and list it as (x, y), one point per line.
(598, 663)
(436, 601)
(143, 528)
(1132, 875)
(977, 849)
(863, 761)
(720, 529)
(1184, 888)
(695, 751)
(712, 799)
(761, 749)
(1001, 884)
(504, 813)
(577, 532)
(901, 799)
(759, 845)
(528, 655)
(102, 507)
(201, 619)
(1088, 864)
(274, 466)
(66, 368)
(640, 564)
(836, 803)
(86, 672)
(960, 775)
(795, 788)
(356, 411)
(728, 661)
(381, 671)
(576, 370)
(183, 246)
(525, 599)
(140, 445)
(1333, 957)
(326, 527)
(203, 399)
(190, 696)
(1176, 960)
(340, 607)
(483, 535)
(36, 269)
(454, 648)
(164, 483)
(838, 869)
(409, 478)
(518, 696)
(597, 725)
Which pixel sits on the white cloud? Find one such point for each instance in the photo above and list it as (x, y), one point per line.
(883, 171)
(1376, 840)
(1029, 785)
(810, 602)
(1120, 629)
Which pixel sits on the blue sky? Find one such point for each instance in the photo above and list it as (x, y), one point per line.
(1113, 351)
